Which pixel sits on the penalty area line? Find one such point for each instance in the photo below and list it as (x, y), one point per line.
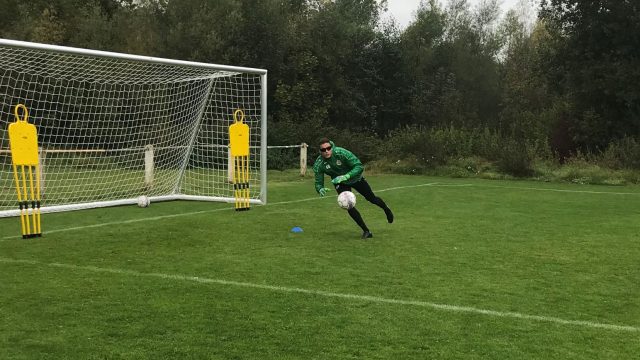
(162, 217)
(131, 221)
(434, 184)
(153, 218)
(329, 294)
(437, 184)
(422, 185)
(558, 190)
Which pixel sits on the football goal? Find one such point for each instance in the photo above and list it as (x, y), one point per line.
(112, 127)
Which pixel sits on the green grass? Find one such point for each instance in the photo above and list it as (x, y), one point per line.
(555, 266)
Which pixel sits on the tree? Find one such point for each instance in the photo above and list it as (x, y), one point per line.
(346, 69)
(525, 91)
(452, 63)
(596, 64)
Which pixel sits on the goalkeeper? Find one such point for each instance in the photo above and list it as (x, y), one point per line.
(345, 170)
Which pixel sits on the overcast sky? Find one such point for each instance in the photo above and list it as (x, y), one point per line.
(403, 10)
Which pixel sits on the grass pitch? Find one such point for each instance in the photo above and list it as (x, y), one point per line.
(470, 269)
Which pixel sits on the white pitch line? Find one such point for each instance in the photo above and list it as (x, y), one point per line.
(510, 187)
(161, 217)
(154, 218)
(557, 190)
(421, 185)
(374, 299)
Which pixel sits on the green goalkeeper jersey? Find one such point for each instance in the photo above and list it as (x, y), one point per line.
(341, 162)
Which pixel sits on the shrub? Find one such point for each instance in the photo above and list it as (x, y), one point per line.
(365, 145)
(622, 154)
(282, 159)
(515, 159)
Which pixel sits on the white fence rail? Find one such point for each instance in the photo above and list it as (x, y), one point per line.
(149, 155)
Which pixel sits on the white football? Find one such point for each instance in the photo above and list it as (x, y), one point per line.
(143, 201)
(347, 200)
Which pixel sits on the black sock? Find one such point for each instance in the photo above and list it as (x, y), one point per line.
(378, 201)
(355, 215)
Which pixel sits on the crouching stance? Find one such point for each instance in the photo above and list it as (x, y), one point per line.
(345, 170)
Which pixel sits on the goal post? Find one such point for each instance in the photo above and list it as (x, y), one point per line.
(113, 127)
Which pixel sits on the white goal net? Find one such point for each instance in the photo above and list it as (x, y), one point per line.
(112, 127)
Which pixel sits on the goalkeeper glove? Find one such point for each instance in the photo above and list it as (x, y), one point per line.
(340, 179)
(323, 191)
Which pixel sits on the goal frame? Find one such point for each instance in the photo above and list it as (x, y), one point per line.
(261, 200)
